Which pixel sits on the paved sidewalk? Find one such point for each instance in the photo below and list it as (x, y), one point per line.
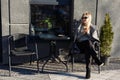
(104, 75)
(57, 72)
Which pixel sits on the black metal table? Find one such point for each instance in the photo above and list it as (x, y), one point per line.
(52, 53)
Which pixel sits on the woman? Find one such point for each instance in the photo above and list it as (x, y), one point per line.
(85, 35)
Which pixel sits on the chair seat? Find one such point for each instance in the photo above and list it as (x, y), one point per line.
(22, 52)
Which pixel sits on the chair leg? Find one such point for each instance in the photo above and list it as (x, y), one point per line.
(72, 57)
(30, 59)
(38, 66)
(9, 65)
(99, 69)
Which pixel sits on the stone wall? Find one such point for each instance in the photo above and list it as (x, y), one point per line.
(19, 16)
(104, 6)
(111, 7)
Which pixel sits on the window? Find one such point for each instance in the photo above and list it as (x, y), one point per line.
(51, 18)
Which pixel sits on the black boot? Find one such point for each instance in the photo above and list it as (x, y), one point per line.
(88, 73)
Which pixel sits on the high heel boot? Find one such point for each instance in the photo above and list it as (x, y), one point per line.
(88, 73)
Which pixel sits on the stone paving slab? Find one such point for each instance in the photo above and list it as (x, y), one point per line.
(57, 72)
(104, 75)
(27, 77)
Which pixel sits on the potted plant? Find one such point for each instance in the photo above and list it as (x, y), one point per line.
(106, 38)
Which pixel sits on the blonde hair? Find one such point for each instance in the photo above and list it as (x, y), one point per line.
(89, 16)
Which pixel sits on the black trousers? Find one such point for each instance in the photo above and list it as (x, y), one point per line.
(87, 48)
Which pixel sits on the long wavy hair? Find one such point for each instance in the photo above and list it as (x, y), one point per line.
(89, 17)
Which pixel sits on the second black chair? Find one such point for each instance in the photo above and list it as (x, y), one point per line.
(19, 45)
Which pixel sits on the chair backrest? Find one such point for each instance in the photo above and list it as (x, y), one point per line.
(20, 40)
(17, 42)
(96, 46)
(31, 42)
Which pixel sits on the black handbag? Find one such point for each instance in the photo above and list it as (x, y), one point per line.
(74, 49)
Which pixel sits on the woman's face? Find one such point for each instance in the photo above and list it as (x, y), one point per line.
(85, 19)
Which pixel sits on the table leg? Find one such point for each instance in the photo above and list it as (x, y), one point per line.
(53, 55)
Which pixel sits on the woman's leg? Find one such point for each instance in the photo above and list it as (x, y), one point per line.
(84, 47)
(88, 65)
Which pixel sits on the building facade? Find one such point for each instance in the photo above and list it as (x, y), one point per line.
(16, 18)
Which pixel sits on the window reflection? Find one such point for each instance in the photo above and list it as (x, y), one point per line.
(51, 18)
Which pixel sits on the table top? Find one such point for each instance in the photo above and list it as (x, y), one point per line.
(47, 36)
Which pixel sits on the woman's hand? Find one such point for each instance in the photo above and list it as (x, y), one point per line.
(85, 30)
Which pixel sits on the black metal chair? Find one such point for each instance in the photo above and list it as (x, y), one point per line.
(19, 45)
(96, 46)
